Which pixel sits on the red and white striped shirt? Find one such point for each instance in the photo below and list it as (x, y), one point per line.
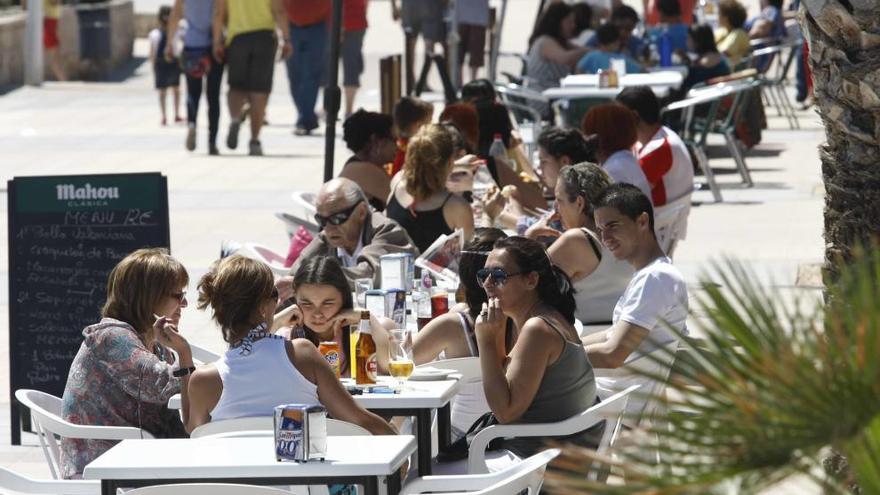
(666, 162)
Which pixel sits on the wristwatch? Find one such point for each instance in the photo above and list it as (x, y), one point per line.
(182, 372)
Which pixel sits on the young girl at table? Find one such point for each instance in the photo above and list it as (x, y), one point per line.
(325, 312)
(123, 373)
(261, 370)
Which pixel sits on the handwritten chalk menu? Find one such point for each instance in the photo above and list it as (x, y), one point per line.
(65, 235)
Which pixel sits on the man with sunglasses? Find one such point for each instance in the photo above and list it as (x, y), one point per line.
(352, 232)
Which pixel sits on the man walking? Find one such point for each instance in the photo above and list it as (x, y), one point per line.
(249, 51)
(305, 68)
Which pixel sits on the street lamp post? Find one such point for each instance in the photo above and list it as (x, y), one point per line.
(332, 94)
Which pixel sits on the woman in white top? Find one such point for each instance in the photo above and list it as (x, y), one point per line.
(615, 127)
(452, 335)
(597, 276)
(262, 370)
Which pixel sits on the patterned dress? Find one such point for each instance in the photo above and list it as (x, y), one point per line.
(116, 381)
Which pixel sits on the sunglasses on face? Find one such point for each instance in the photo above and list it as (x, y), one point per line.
(337, 218)
(180, 296)
(499, 276)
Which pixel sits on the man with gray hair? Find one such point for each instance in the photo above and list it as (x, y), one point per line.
(352, 232)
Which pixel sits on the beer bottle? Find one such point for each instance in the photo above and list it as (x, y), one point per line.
(365, 357)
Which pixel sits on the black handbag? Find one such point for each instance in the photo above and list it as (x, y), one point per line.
(458, 449)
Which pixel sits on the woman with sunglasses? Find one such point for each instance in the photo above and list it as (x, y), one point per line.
(261, 370)
(451, 335)
(324, 311)
(545, 376)
(123, 373)
(419, 200)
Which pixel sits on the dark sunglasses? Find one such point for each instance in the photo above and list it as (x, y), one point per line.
(337, 218)
(499, 276)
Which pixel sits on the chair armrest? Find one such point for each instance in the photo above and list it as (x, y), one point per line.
(100, 432)
(464, 482)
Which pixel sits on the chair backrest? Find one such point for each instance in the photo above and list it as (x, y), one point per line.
(199, 353)
(670, 223)
(527, 476)
(306, 200)
(10, 481)
(47, 423)
(207, 489)
(292, 223)
(260, 426)
(263, 254)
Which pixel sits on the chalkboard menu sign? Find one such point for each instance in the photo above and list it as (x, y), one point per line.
(65, 235)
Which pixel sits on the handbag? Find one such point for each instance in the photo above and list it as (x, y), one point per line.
(458, 449)
(196, 63)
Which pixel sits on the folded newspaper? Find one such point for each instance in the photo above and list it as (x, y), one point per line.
(441, 257)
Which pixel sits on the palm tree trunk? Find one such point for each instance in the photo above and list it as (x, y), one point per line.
(845, 62)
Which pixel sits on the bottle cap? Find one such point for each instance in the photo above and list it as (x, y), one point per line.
(365, 314)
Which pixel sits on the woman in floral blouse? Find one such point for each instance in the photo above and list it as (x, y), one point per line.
(124, 374)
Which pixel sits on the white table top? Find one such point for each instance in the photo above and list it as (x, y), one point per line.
(594, 92)
(416, 395)
(252, 457)
(669, 78)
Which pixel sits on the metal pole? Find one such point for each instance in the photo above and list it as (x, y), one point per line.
(496, 42)
(331, 91)
(33, 44)
(452, 42)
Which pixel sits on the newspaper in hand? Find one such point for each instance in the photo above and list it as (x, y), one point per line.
(441, 257)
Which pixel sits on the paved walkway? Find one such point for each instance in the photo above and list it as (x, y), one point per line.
(84, 128)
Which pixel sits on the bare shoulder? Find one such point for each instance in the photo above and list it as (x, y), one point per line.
(536, 327)
(573, 238)
(205, 376)
(303, 349)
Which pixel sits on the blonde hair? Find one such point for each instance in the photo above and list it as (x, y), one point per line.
(235, 287)
(427, 161)
(138, 283)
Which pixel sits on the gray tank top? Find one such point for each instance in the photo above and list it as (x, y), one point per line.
(567, 388)
(596, 294)
(543, 73)
(198, 15)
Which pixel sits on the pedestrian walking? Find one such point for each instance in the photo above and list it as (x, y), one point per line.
(249, 52)
(165, 69)
(305, 67)
(198, 65)
(354, 26)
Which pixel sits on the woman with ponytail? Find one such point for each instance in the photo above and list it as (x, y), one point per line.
(261, 370)
(546, 376)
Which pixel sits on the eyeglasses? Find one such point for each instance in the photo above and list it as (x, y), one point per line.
(180, 296)
(499, 276)
(337, 218)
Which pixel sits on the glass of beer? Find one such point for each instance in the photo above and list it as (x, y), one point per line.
(401, 365)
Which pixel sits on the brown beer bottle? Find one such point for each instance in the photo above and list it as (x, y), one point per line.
(365, 353)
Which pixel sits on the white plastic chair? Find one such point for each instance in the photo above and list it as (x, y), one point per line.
(259, 426)
(670, 223)
(267, 256)
(207, 489)
(292, 223)
(203, 355)
(610, 410)
(306, 201)
(526, 475)
(10, 481)
(47, 423)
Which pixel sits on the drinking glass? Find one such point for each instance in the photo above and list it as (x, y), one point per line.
(361, 286)
(401, 365)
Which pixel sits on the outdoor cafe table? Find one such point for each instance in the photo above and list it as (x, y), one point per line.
(417, 399)
(363, 460)
(669, 78)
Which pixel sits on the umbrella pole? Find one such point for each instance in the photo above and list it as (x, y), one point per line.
(332, 94)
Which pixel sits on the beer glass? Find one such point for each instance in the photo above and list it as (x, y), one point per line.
(401, 365)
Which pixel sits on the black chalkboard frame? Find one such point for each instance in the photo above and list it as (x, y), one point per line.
(17, 418)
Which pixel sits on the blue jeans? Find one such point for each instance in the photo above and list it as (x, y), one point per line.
(305, 70)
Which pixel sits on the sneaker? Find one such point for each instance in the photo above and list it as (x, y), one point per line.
(212, 150)
(232, 137)
(191, 137)
(301, 131)
(255, 148)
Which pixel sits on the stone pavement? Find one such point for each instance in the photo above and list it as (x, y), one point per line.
(84, 128)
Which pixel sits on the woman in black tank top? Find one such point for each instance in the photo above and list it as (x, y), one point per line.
(419, 200)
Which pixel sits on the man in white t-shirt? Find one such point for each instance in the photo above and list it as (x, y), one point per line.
(655, 299)
(663, 156)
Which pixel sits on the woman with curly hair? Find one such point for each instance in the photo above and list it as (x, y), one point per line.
(370, 136)
(419, 200)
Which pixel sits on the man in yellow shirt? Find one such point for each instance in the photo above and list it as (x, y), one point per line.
(249, 52)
